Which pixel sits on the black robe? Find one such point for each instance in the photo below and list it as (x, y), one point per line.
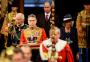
(72, 37)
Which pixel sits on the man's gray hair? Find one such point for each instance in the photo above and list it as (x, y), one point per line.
(32, 15)
(20, 15)
(55, 29)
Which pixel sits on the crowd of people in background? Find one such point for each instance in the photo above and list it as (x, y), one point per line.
(38, 41)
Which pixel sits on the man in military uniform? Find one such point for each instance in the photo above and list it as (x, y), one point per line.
(83, 27)
(9, 18)
(15, 30)
(33, 36)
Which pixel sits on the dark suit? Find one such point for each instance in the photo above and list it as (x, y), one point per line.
(43, 23)
(46, 24)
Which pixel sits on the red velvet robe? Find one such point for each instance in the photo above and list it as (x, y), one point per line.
(36, 32)
(63, 51)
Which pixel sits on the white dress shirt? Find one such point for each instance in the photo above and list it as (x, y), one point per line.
(48, 14)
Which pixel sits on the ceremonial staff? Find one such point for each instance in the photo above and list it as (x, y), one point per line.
(53, 54)
(52, 20)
